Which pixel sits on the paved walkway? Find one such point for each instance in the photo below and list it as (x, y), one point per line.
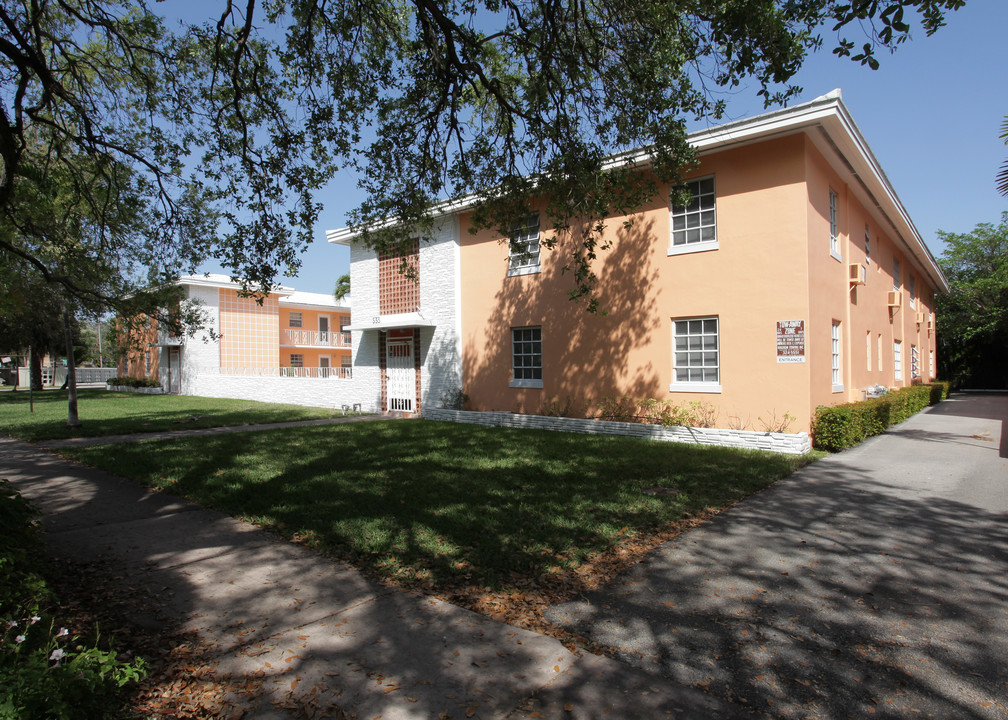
(873, 583)
(303, 630)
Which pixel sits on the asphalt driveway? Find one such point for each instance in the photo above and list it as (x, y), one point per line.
(873, 583)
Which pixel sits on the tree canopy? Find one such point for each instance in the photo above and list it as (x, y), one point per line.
(232, 124)
(973, 317)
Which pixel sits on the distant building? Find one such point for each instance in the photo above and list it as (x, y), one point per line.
(291, 347)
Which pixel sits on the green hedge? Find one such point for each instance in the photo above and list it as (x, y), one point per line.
(843, 426)
(132, 382)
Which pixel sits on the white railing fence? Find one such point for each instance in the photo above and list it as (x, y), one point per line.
(316, 338)
(337, 373)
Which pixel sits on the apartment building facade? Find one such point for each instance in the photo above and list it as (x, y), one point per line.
(795, 278)
(289, 346)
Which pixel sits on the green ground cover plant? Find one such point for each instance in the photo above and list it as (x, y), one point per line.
(446, 504)
(47, 671)
(112, 413)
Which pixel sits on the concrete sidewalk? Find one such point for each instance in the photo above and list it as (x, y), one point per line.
(315, 631)
(871, 583)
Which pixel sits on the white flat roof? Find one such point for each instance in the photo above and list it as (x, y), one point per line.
(318, 300)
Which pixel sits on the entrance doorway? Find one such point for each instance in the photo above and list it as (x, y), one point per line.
(401, 373)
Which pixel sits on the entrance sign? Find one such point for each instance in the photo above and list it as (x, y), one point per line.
(790, 341)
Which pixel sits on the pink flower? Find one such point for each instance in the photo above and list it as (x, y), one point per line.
(34, 619)
(19, 639)
(57, 655)
(63, 632)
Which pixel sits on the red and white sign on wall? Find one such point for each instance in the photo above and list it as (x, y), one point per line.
(790, 341)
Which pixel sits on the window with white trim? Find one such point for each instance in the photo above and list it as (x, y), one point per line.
(696, 355)
(148, 361)
(834, 230)
(912, 285)
(931, 374)
(897, 360)
(523, 247)
(914, 362)
(835, 351)
(694, 226)
(294, 320)
(526, 357)
(297, 360)
(867, 345)
(867, 246)
(895, 274)
(879, 355)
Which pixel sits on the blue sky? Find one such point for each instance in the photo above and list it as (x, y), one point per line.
(932, 114)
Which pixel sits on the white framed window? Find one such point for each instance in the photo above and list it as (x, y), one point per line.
(523, 247)
(148, 361)
(694, 226)
(867, 246)
(931, 372)
(526, 357)
(879, 354)
(895, 274)
(294, 320)
(867, 345)
(297, 360)
(897, 360)
(911, 286)
(834, 229)
(835, 350)
(914, 362)
(696, 355)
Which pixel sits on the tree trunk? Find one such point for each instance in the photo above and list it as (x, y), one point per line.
(72, 419)
(35, 369)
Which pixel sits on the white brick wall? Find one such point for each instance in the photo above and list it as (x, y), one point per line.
(789, 443)
(314, 392)
(200, 351)
(440, 361)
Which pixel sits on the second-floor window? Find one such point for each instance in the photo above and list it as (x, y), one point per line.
(523, 247)
(295, 320)
(895, 274)
(834, 229)
(911, 286)
(867, 246)
(694, 226)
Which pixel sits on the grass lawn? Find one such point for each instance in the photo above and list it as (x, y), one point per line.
(111, 413)
(448, 505)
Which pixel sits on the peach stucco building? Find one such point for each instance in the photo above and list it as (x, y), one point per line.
(794, 279)
(288, 334)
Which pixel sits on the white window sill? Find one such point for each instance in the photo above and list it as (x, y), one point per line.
(526, 383)
(530, 270)
(835, 254)
(695, 387)
(838, 388)
(692, 248)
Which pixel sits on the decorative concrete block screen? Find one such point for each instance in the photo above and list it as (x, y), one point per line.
(791, 443)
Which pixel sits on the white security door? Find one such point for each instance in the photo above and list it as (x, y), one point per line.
(401, 375)
(323, 329)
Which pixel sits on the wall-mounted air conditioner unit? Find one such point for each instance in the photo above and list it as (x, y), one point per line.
(920, 319)
(895, 299)
(930, 321)
(857, 274)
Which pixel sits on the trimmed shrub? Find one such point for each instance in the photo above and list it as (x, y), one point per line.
(843, 426)
(133, 382)
(939, 391)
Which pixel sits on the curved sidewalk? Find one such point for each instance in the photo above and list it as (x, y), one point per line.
(871, 583)
(305, 631)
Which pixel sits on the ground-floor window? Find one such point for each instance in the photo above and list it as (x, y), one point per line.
(696, 361)
(297, 360)
(914, 362)
(526, 357)
(835, 351)
(897, 360)
(931, 374)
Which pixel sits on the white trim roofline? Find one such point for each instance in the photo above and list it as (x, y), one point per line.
(831, 127)
(217, 280)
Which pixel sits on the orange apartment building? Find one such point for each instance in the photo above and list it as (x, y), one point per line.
(795, 278)
(289, 334)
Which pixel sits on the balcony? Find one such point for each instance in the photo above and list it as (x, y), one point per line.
(334, 373)
(314, 338)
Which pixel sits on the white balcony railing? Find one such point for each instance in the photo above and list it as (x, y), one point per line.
(336, 373)
(315, 338)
